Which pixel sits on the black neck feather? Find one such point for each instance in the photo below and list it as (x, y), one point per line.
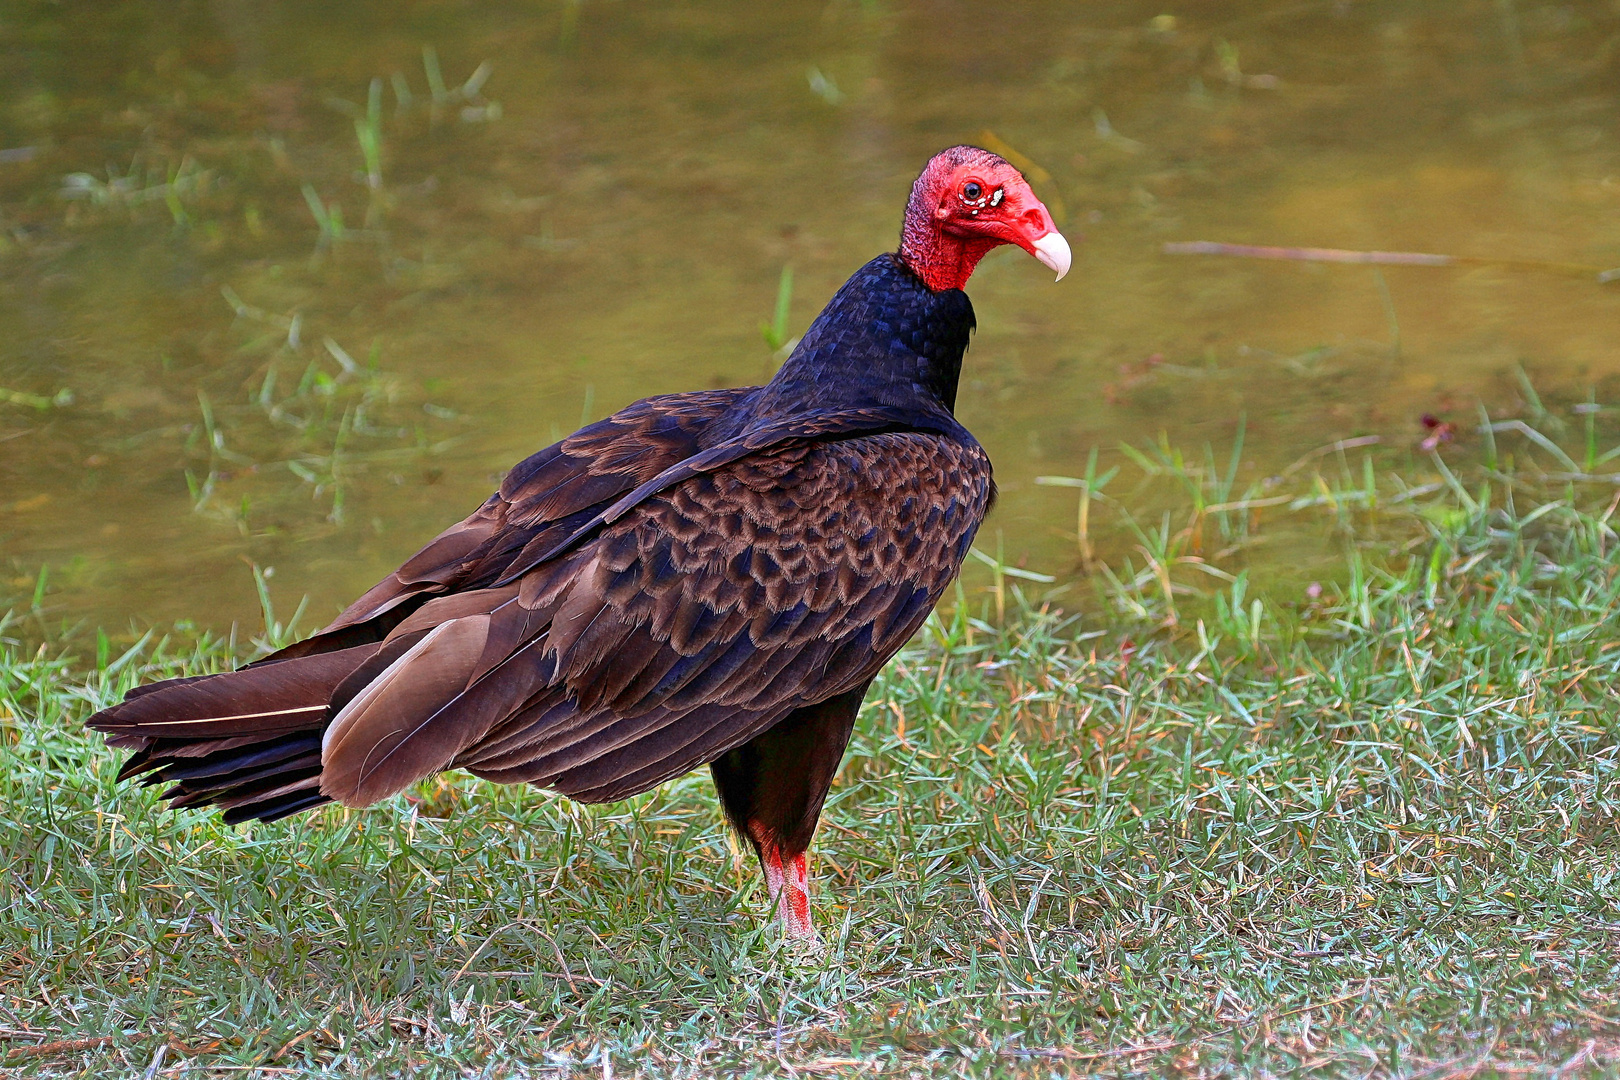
(884, 339)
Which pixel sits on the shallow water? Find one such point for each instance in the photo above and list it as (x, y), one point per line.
(608, 215)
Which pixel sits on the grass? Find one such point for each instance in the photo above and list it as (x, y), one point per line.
(1216, 823)
(1371, 833)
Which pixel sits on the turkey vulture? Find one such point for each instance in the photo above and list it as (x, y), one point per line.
(704, 578)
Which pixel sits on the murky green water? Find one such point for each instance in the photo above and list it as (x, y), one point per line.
(606, 216)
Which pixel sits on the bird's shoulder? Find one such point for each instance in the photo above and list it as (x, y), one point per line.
(827, 496)
(856, 529)
(612, 455)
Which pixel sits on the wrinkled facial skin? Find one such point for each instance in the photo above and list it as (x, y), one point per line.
(966, 203)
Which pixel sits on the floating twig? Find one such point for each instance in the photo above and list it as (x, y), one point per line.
(1380, 258)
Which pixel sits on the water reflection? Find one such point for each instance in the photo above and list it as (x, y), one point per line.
(255, 311)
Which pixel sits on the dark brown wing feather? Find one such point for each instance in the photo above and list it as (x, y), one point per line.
(712, 610)
(299, 689)
(701, 617)
(698, 610)
(541, 501)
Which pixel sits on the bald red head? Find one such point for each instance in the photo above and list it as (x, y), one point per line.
(966, 202)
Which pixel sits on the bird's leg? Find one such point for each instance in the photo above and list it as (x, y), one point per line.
(772, 788)
(788, 880)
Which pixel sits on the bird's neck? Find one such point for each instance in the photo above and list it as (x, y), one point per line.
(941, 260)
(885, 339)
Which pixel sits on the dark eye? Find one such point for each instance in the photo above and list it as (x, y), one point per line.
(972, 191)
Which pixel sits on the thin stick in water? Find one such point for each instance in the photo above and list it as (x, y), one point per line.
(1301, 254)
(1379, 258)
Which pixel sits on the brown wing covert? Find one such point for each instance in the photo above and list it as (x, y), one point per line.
(711, 610)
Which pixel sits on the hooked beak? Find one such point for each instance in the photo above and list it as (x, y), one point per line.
(1034, 230)
(1053, 252)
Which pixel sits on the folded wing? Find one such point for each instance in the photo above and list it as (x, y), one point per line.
(697, 620)
(611, 618)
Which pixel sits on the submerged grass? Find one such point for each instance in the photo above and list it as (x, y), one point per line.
(1373, 834)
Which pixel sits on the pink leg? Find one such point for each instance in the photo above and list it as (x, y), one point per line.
(789, 884)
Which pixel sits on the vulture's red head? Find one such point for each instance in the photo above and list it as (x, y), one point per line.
(966, 202)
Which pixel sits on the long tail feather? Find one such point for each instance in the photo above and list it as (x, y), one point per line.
(269, 700)
(248, 741)
(353, 724)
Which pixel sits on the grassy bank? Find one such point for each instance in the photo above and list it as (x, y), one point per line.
(1371, 832)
